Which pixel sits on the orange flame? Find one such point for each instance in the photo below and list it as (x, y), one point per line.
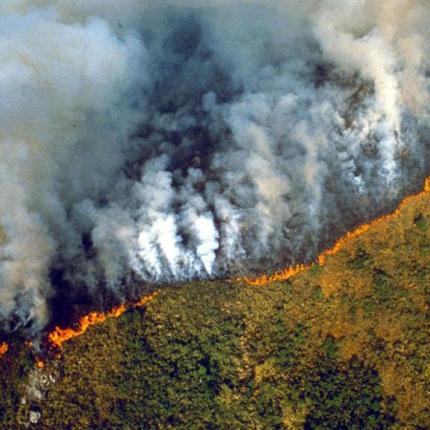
(282, 275)
(287, 273)
(4, 347)
(345, 239)
(60, 335)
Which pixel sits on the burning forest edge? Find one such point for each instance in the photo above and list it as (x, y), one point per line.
(54, 339)
(340, 345)
(228, 138)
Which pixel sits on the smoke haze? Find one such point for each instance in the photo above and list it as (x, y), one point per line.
(162, 141)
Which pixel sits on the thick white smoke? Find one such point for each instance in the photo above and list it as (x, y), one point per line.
(164, 141)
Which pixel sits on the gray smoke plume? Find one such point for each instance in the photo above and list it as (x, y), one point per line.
(161, 141)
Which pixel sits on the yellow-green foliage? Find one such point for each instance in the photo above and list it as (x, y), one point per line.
(346, 345)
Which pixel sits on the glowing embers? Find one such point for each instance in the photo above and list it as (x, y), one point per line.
(40, 364)
(287, 273)
(60, 335)
(4, 347)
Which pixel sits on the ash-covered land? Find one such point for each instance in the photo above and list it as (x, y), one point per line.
(164, 141)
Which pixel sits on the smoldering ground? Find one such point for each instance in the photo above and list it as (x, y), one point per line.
(148, 142)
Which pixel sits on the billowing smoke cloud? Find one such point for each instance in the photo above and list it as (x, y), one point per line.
(145, 141)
